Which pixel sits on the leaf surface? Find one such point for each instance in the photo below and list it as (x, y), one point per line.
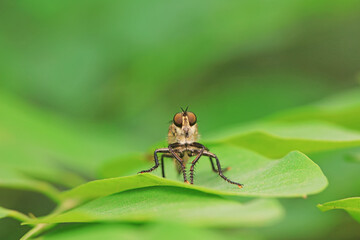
(4, 212)
(277, 139)
(144, 232)
(294, 175)
(342, 109)
(173, 204)
(350, 205)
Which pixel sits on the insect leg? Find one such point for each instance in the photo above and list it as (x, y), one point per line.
(214, 169)
(193, 164)
(181, 162)
(206, 153)
(156, 160)
(199, 145)
(212, 165)
(162, 163)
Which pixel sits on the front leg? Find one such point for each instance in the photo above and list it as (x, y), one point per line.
(194, 162)
(162, 163)
(180, 161)
(199, 145)
(209, 154)
(160, 150)
(214, 169)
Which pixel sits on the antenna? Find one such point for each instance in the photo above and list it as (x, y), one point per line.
(184, 111)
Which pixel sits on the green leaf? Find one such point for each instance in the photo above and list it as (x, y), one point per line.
(12, 179)
(172, 204)
(294, 175)
(145, 232)
(277, 139)
(343, 181)
(342, 109)
(45, 139)
(35, 148)
(13, 214)
(3, 212)
(350, 205)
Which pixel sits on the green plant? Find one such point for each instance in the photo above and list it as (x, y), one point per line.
(210, 202)
(86, 89)
(351, 205)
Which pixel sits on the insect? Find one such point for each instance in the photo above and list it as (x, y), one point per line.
(182, 140)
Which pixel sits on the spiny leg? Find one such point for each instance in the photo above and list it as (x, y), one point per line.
(178, 165)
(193, 164)
(162, 163)
(156, 160)
(214, 169)
(180, 161)
(199, 145)
(206, 153)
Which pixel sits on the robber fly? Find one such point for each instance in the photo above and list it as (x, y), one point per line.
(182, 139)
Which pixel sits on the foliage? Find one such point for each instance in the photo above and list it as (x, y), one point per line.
(171, 204)
(87, 90)
(351, 205)
(149, 198)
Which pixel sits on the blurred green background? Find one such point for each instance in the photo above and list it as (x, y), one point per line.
(84, 82)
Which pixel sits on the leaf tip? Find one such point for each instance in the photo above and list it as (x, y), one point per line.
(321, 207)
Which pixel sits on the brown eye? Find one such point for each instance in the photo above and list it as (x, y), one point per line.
(178, 119)
(191, 117)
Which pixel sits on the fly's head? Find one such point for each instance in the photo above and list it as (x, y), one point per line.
(183, 128)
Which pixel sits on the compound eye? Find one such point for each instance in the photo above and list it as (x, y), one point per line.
(178, 119)
(191, 117)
